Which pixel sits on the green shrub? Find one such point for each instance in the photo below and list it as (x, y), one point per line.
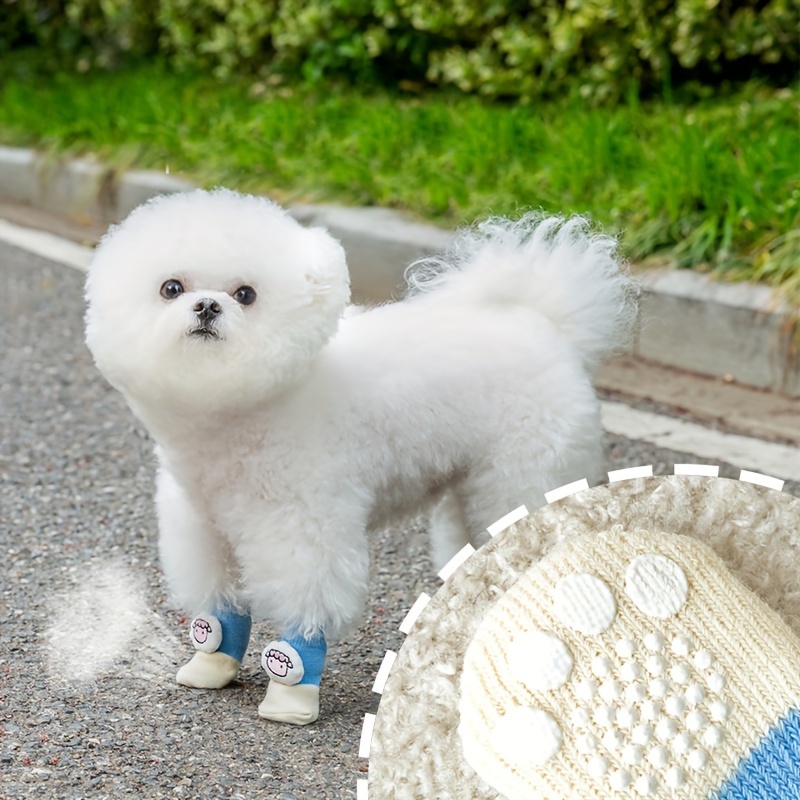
(225, 35)
(597, 49)
(80, 34)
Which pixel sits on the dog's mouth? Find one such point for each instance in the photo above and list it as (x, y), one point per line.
(204, 332)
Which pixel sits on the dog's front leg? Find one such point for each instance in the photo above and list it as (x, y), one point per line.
(202, 576)
(312, 583)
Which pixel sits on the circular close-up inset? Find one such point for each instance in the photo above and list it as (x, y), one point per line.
(638, 639)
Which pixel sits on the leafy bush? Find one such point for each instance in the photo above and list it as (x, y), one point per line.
(596, 48)
(79, 34)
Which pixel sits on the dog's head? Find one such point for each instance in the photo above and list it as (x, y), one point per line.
(211, 301)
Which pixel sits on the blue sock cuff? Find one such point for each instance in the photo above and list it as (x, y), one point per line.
(771, 771)
(235, 632)
(313, 652)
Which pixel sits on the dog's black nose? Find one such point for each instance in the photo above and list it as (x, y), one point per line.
(206, 309)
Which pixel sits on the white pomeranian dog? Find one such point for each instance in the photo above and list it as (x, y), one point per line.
(288, 424)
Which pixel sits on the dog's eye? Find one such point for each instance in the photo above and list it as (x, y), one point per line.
(171, 289)
(245, 295)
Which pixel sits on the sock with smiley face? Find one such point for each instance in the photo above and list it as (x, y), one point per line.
(294, 665)
(220, 638)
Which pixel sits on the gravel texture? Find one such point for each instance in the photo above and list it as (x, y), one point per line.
(89, 642)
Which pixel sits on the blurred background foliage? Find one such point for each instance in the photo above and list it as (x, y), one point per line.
(672, 122)
(526, 49)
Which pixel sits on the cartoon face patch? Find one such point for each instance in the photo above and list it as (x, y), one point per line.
(282, 663)
(206, 633)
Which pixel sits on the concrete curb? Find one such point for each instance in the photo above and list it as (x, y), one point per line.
(738, 331)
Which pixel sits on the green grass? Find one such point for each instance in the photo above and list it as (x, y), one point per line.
(713, 185)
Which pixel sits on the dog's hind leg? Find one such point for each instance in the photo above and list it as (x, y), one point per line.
(448, 528)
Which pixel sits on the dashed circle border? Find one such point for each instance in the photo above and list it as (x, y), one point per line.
(519, 513)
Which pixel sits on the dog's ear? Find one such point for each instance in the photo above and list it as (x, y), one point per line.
(326, 270)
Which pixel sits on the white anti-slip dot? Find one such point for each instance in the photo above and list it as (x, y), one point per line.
(713, 736)
(642, 733)
(681, 645)
(656, 665)
(527, 736)
(651, 710)
(620, 780)
(698, 759)
(656, 585)
(598, 766)
(602, 666)
(580, 717)
(675, 705)
(682, 743)
(610, 690)
(586, 689)
(716, 682)
(719, 711)
(675, 777)
(646, 785)
(695, 694)
(636, 693)
(625, 648)
(654, 641)
(681, 673)
(632, 754)
(630, 671)
(605, 716)
(703, 659)
(585, 603)
(613, 741)
(539, 660)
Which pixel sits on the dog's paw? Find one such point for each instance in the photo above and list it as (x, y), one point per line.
(208, 671)
(297, 705)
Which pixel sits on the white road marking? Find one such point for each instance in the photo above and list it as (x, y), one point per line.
(688, 437)
(46, 245)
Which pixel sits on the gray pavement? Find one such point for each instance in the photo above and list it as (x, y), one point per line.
(88, 639)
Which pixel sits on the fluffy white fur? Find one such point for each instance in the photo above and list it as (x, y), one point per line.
(284, 439)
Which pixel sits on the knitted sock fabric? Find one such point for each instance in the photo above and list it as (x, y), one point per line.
(628, 665)
(223, 630)
(773, 768)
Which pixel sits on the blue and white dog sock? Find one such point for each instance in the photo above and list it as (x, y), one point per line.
(294, 665)
(220, 638)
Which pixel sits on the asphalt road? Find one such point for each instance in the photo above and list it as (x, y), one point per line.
(89, 642)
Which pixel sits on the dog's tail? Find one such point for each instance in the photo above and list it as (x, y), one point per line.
(560, 267)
